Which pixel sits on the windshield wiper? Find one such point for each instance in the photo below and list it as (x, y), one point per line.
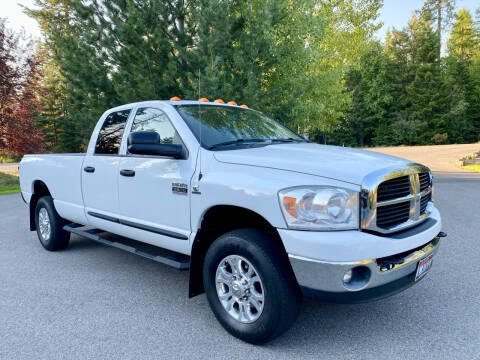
(236, 141)
(286, 140)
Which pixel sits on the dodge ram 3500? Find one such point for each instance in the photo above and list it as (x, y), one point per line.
(258, 214)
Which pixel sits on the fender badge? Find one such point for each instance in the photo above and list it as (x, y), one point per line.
(179, 188)
(196, 189)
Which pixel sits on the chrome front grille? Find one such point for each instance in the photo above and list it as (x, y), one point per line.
(425, 179)
(393, 188)
(395, 199)
(424, 203)
(392, 215)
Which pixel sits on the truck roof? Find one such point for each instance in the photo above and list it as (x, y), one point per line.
(171, 102)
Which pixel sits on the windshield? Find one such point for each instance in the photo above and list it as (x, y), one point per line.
(225, 126)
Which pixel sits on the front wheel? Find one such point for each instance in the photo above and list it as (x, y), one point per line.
(50, 225)
(250, 285)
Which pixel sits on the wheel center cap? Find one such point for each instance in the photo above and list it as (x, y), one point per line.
(239, 288)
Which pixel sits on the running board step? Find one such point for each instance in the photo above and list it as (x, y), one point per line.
(155, 253)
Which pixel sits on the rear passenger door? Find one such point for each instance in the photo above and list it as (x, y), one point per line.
(100, 170)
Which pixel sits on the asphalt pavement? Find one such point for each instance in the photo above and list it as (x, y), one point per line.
(96, 302)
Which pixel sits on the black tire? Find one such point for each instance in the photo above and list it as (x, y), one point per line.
(282, 296)
(58, 238)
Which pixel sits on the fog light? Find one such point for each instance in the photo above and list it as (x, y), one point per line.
(356, 278)
(347, 277)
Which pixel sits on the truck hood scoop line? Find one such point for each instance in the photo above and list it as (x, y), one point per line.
(334, 162)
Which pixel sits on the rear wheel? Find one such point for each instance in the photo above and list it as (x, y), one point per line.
(250, 285)
(50, 225)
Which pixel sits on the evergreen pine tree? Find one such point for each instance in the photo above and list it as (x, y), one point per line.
(371, 85)
(286, 58)
(426, 100)
(463, 115)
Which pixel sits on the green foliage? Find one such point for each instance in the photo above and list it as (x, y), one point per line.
(463, 80)
(285, 57)
(475, 168)
(371, 86)
(9, 158)
(440, 138)
(463, 41)
(404, 93)
(9, 184)
(322, 97)
(52, 94)
(312, 64)
(425, 93)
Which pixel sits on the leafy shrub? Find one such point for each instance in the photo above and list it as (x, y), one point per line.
(440, 138)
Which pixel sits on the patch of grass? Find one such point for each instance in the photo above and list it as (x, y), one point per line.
(475, 168)
(8, 158)
(9, 184)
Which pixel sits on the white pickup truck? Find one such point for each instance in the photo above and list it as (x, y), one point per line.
(258, 214)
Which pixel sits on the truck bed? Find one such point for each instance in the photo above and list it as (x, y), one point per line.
(63, 174)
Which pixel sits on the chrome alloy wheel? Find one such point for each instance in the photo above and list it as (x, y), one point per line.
(44, 224)
(240, 289)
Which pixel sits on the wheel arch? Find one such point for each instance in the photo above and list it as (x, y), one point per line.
(216, 221)
(39, 189)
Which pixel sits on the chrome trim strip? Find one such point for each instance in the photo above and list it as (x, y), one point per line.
(341, 263)
(395, 201)
(139, 226)
(426, 192)
(414, 256)
(368, 197)
(103, 217)
(154, 230)
(328, 276)
(415, 202)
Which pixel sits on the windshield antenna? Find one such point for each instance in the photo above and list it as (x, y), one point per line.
(200, 132)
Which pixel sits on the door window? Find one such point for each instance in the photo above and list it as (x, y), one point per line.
(110, 135)
(151, 119)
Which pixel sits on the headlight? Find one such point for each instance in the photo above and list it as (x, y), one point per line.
(320, 208)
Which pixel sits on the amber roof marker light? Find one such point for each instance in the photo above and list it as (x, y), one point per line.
(219, 101)
(244, 106)
(203, 99)
(175, 98)
(232, 103)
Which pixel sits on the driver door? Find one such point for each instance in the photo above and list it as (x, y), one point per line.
(150, 197)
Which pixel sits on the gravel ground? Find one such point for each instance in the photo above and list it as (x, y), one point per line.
(95, 302)
(436, 157)
(9, 168)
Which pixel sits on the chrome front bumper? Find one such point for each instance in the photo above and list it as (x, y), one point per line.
(377, 278)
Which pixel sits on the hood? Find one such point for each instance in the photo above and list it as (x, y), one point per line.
(334, 162)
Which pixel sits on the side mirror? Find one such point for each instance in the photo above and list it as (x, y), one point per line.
(148, 143)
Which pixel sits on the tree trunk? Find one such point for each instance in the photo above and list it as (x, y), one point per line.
(439, 27)
(181, 24)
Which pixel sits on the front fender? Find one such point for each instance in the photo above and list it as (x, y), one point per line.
(250, 187)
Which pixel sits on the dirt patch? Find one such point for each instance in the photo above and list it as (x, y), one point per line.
(436, 157)
(11, 169)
